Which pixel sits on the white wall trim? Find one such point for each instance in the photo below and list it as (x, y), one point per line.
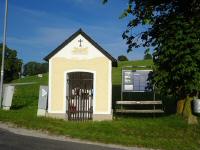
(94, 86)
(99, 113)
(56, 112)
(50, 86)
(110, 87)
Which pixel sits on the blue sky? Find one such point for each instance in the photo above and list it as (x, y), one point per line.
(36, 27)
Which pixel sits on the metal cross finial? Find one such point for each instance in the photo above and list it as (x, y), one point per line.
(80, 41)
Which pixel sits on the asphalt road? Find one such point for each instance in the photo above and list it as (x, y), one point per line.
(11, 141)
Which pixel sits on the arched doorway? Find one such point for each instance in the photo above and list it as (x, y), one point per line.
(80, 96)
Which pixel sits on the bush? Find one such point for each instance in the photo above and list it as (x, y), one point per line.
(122, 58)
(12, 64)
(33, 68)
(147, 54)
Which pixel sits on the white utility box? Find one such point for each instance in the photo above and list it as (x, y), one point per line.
(8, 96)
(42, 102)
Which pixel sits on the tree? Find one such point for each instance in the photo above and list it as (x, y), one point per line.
(122, 58)
(173, 31)
(44, 67)
(147, 54)
(12, 65)
(33, 68)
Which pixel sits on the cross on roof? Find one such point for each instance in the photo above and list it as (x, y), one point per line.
(80, 41)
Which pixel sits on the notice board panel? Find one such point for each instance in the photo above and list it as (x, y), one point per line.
(135, 80)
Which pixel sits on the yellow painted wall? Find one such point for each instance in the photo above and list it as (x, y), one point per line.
(60, 65)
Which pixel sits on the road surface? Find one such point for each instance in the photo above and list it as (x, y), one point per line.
(13, 138)
(11, 141)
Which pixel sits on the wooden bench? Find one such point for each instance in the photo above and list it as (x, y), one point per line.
(139, 102)
(154, 110)
(139, 111)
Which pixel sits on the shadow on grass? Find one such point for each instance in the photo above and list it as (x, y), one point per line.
(21, 106)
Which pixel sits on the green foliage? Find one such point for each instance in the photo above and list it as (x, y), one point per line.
(33, 68)
(173, 31)
(122, 58)
(147, 54)
(104, 1)
(12, 65)
(177, 60)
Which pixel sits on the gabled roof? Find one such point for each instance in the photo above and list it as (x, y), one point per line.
(73, 36)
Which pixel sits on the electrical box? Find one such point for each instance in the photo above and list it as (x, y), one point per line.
(42, 102)
(7, 96)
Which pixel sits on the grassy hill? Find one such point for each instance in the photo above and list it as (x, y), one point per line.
(167, 132)
(116, 73)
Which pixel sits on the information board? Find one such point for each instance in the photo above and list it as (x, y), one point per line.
(135, 80)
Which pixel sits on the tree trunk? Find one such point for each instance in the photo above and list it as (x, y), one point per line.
(180, 105)
(187, 111)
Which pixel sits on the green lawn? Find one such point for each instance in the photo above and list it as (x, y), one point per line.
(166, 132)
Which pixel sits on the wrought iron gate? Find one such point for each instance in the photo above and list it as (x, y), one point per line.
(80, 96)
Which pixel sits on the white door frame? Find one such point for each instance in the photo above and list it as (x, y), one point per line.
(65, 87)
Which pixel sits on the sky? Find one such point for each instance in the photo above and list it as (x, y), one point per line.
(37, 27)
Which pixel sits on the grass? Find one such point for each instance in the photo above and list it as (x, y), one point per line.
(167, 132)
